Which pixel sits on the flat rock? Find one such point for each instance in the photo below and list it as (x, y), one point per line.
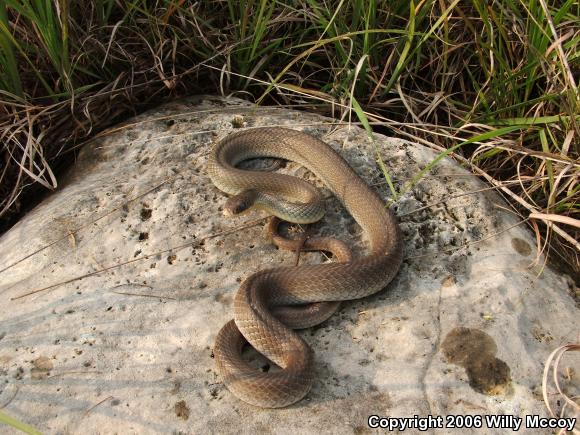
(464, 328)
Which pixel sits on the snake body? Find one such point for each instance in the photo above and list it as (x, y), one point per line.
(264, 292)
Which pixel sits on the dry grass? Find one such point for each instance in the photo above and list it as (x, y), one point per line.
(492, 84)
(563, 406)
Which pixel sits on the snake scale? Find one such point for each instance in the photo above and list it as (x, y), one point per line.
(270, 304)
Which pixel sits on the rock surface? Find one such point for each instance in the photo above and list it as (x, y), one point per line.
(464, 328)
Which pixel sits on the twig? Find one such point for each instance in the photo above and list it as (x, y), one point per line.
(73, 232)
(144, 295)
(195, 243)
(95, 405)
(9, 401)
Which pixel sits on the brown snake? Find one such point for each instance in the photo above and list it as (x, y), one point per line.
(271, 303)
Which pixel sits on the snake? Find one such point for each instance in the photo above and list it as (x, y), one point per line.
(271, 304)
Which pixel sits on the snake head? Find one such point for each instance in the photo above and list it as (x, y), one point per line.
(240, 203)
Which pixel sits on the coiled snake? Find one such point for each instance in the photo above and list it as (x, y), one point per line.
(271, 303)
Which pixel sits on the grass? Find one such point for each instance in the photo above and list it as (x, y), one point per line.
(7, 420)
(491, 84)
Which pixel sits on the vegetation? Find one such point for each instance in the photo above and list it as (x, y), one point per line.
(7, 420)
(493, 83)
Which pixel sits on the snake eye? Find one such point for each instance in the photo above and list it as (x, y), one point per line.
(236, 206)
(240, 207)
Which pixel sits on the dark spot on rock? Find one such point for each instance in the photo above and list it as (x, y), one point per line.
(146, 213)
(521, 246)
(181, 410)
(145, 161)
(115, 402)
(2, 335)
(489, 376)
(461, 344)
(224, 298)
(541, 335)
(143, 236)
(109, 308)
(475, 351)
(19, 373)
(359, 430)
(215, 268)
(214, 392)
(169, 122)
(171, 258)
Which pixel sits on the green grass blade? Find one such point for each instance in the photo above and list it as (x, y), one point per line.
(402, 62)
(549, 167)
(6, 32)
(10, 76)
(365, 122)
(534, 121)
(479, 138)
(16, 424)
